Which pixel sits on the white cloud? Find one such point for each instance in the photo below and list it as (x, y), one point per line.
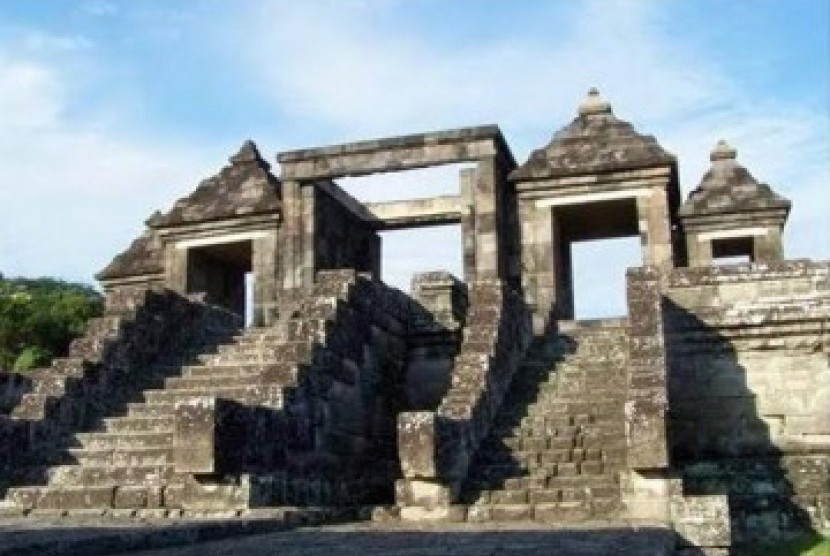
(100, 8)
(347, 65)
(74, 190)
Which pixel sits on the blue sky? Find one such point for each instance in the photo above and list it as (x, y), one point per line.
(111, 109)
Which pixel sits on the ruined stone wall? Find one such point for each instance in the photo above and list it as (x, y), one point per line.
(341, 238)
(749, 389)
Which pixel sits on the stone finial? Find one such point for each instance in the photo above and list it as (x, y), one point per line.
(723, 151)
(594, 104)
(154, 218)
(247, 153)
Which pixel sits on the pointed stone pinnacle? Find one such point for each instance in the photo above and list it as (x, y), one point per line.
(723, 151)
(247, 153)
(594, 104)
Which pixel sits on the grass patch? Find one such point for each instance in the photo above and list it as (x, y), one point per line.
(815, 544)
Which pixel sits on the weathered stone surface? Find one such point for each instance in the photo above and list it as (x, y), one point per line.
(244, 187)
(194, 437)
(595, 141)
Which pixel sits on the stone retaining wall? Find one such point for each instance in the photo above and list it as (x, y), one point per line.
(749, 391)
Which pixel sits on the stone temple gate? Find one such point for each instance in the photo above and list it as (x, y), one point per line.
(475, 398)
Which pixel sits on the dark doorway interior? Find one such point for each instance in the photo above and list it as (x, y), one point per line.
(218, 271)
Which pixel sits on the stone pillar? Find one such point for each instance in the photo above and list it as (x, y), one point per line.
(175, 268)
(266, 268)
(291, 235)
(307, 260)
(655, 229)
(466, 178)
(486, 219)
(562, 272)
(699, 252)
(768, 247)
(545, 261)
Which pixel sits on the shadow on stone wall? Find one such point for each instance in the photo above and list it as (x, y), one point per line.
(722, 445)
(13, 385)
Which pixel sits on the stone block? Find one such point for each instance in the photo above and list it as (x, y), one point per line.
(195, 435)
(511, 512)
(205, 496)
(702, 520)
(417, 444)
(130, 497)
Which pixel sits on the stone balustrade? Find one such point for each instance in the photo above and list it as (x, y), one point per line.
(435, 448)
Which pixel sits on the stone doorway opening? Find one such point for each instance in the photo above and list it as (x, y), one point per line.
(584, 228)
(407, 252)
(728, 251)
(222, 272)
(599, 268)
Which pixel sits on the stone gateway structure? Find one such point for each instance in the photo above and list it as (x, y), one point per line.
(705, 409)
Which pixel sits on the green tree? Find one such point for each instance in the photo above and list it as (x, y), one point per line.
(40, 317)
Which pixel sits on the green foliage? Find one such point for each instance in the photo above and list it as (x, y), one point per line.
(815, 544)
(31, 357)
(40, 317)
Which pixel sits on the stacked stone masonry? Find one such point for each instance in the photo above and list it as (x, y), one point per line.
(476, 398)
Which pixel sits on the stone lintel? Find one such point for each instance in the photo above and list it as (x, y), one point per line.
(220, 239)
(719, 221)
(221, 227)
(732, 234)
(581, 199)
(395, 154)
(548, 191)
(414, 213)
(129, 281)
(598, 178)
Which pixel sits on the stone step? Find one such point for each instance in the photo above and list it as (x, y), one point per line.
(556, 512)
(204, 371)
(111, 441)
(211, 381)
(63, 498)
(133, 424)
(121, 457)
(288, 352)
(109, 475)
(550, 465)
(146, 410)
(545, 495)
(265, 394)
(556, 474)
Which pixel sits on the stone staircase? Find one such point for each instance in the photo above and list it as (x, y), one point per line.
(556, 446)
(126, 465)
(127, 462)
